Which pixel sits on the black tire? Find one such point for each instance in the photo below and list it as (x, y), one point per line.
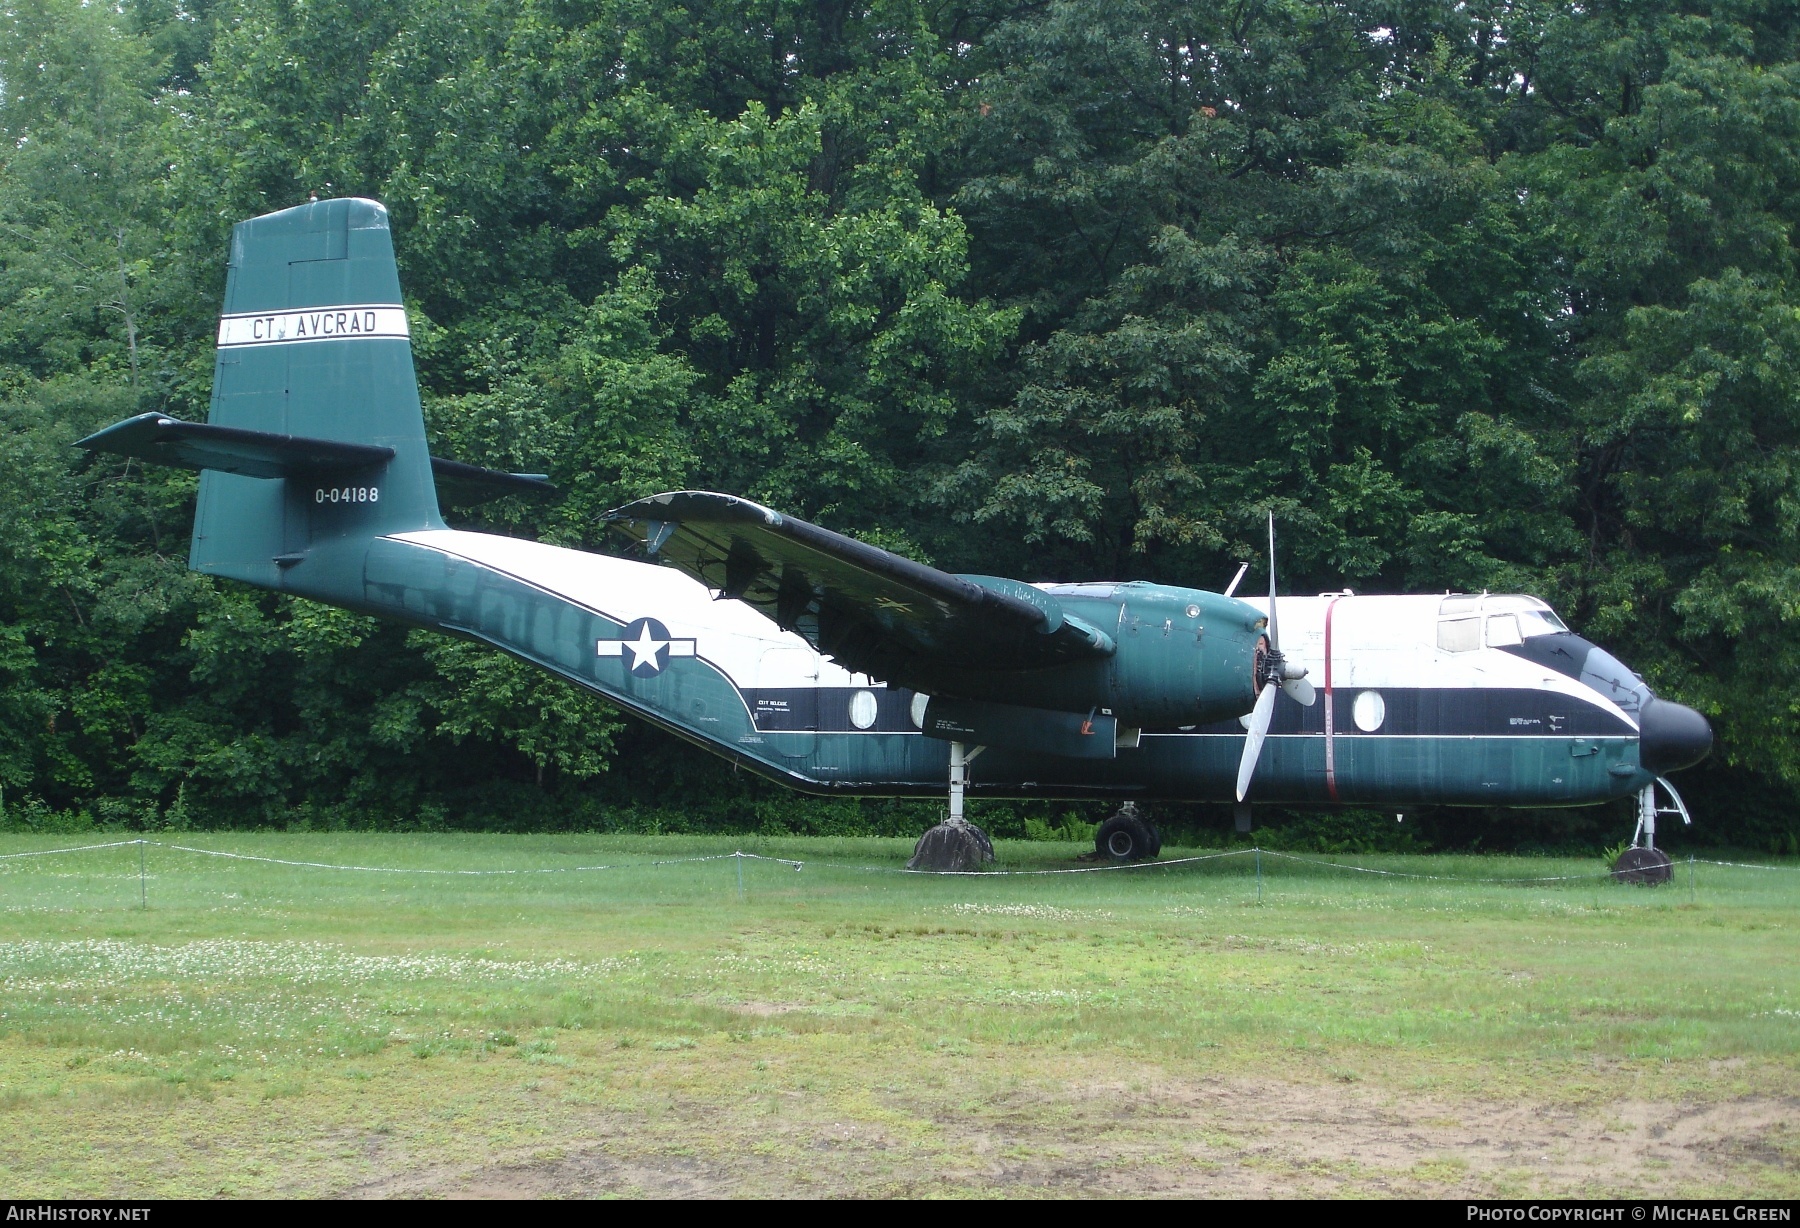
(1155, 839)
(952, 848)
(1647, 867)
(1124, 837)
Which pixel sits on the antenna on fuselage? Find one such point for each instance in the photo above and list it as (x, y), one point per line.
(1237, 579)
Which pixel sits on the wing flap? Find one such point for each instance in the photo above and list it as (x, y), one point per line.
(871, 610)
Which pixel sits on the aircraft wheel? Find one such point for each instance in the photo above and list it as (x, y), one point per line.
(1646, 866)
(1125, 837)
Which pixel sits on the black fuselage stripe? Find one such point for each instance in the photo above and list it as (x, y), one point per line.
(1406, 712)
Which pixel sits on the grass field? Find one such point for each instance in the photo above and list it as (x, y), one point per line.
(273, 1030)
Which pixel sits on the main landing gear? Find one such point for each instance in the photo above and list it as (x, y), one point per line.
(1127, 836)
(1643, 862)
(955, 845)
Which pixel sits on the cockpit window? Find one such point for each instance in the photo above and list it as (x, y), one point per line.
(1459, 634)
(1510, 619)
(1539, 622)
(1503, 631)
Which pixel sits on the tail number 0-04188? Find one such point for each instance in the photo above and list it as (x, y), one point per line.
(347, 494)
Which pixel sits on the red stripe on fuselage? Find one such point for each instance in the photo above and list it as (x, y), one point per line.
(1330, 727)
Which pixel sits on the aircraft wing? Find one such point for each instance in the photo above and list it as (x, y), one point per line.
(869, 609)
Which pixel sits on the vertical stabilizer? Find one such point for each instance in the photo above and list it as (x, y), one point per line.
(313, 342)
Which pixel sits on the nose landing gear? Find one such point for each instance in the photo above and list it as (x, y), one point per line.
(1643, 862)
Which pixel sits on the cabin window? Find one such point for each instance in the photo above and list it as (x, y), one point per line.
(863, 709)
(1503, 631)
(1368, 711)
(917, 711)
(1459, 634)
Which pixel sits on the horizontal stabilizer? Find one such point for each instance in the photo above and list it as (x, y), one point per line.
(1069, 734)
(256, 454)
(466, 484)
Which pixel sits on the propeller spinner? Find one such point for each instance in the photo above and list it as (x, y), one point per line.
(1273, 672)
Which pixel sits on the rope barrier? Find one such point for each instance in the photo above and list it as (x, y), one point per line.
(1441, 878)
(1125, 865)
(797, 865)
(80, 849)
(329, 865)
(325, 865)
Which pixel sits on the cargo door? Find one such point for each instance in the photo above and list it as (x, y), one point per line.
(785, 700)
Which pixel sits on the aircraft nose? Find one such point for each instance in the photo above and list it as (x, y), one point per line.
(1671, 736)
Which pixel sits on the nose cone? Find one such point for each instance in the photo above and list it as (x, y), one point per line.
(1671, 736)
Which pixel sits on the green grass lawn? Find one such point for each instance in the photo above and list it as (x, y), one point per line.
(845, 1029)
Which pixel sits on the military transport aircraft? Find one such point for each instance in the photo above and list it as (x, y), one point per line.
(836, 667)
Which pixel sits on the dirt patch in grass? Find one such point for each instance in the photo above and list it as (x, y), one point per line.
(765, 1009)
(1177, 1138)
(589, 1173)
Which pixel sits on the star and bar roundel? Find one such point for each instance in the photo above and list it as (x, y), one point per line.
(646, 646)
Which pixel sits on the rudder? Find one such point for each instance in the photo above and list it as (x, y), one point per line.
(313, 342)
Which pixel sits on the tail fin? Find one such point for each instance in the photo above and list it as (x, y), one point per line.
(313, 344)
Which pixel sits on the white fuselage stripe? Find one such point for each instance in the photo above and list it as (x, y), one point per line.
(1390, 643)
(358, 322)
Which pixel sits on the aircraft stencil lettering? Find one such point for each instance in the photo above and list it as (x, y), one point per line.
(340, 323)
(837, 667)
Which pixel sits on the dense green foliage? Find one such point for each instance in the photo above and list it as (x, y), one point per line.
(1472, 295)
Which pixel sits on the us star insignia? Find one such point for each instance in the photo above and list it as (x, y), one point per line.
(647, 645)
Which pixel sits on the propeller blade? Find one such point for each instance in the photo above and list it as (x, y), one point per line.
(1300, 690)
(1258, 729)
(1274, 629)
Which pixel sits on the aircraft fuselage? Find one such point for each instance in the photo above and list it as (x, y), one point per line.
(1421, 700)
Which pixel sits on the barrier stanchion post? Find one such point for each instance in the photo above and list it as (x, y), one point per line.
(739, 858)
(1691, 898)
(1259, 876)
(143, 891)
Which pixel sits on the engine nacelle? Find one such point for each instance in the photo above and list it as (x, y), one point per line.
(1182, 657)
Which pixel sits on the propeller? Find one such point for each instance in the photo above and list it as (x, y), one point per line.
(1274, 669)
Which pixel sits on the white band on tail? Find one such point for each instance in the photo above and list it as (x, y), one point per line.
(313, 324)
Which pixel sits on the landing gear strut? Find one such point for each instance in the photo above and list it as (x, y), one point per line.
(955, 844)
(1643, 862)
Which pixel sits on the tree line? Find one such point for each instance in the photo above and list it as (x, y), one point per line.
(1489, 294)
